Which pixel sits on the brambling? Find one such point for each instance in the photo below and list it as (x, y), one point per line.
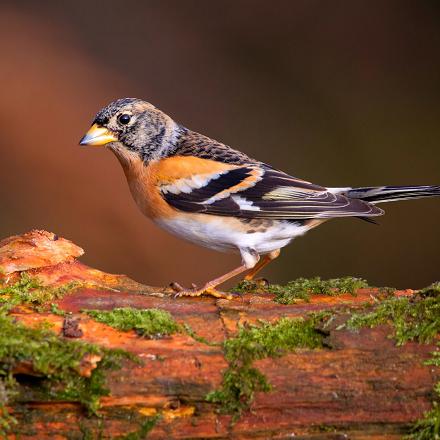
(210, 194)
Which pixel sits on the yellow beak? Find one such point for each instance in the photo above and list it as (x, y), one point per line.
(98, 136)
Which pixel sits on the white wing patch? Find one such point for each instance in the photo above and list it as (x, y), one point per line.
(244, 204)
(187, 184)
(339, 190)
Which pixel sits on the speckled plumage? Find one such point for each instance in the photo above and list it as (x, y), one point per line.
(206, 192)
(199, 145)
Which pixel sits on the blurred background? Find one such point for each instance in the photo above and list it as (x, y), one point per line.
(342, 93)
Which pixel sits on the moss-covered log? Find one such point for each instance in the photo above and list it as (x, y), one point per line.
(134, 362)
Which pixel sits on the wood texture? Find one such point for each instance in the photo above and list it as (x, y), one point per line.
(361, 387)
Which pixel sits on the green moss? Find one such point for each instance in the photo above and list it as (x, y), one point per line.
(245, 286)
(151, 323)
(326, 428)
(55, 310)
(56, 362)
(432, 290)
(413, 318)
(427, 428)
(7, 392)
(23, 285)
(190, 332)
(29, 290)
(145, 427)
(302, 288)
(435, 360)
(241, 380)
(96, 429)
(88, 433)
(386, 292)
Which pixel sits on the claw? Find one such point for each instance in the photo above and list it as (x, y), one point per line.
(176, 287)
(218, 294)
(204, 291)
(262, 282)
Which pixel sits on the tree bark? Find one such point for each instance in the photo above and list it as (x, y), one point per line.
(360, 386)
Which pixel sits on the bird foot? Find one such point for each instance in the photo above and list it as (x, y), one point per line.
(195, 291)
(260, 282)
(179, 288)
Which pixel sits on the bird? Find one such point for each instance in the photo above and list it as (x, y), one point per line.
(215, 196)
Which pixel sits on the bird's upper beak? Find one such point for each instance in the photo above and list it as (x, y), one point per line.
(98, 135)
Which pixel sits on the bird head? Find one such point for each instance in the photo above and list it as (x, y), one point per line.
(132, 127)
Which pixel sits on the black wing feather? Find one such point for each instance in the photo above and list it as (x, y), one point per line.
(276, 196)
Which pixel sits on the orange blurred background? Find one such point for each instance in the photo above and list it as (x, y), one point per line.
(340, 93)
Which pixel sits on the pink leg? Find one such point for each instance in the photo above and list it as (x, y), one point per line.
(261, 264)
(210, 287)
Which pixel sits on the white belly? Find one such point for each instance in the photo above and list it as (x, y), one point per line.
(228, 234)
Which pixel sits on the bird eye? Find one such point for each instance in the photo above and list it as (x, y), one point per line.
(124, 119)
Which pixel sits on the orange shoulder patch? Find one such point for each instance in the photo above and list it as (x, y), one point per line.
(181, 167)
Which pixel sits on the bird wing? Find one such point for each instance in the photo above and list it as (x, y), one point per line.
(256, 191)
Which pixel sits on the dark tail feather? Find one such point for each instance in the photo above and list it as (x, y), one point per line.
(381, 194)
(368, 220)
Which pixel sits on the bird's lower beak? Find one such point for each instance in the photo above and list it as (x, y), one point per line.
(98, 135)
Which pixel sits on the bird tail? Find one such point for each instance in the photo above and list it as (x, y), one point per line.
(381, 194)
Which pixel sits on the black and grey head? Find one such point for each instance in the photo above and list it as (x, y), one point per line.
(133, 126)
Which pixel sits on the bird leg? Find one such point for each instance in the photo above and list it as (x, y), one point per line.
(210, 287)
(262, 263)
